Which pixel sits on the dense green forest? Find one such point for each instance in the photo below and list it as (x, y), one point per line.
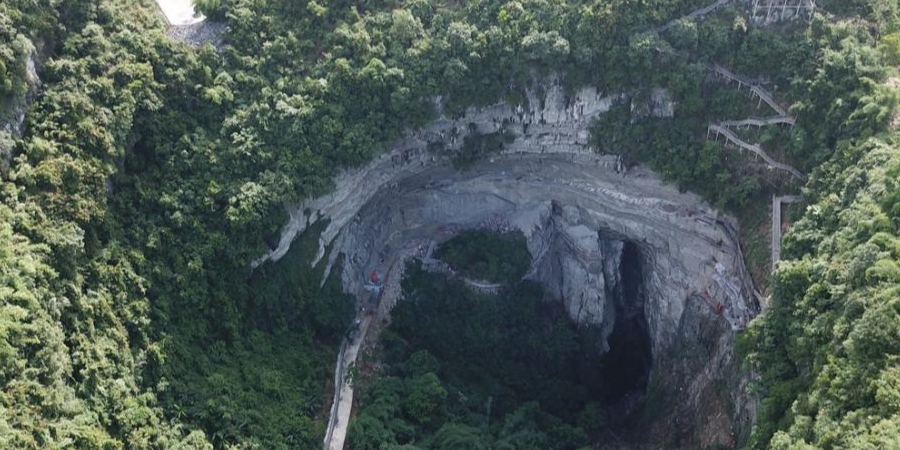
(485, 255)
(151, 173)
(479, 371)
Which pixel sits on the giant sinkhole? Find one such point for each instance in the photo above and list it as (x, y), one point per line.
(657, 270)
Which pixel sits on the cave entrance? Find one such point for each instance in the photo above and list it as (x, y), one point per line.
(626, 366)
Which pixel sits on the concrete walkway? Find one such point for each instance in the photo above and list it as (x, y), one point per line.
(777, 201)
(755, 89)
(342, 406)
(759, 121)
(482, 286)
(755, 149)
(343, 397)
(437, 266)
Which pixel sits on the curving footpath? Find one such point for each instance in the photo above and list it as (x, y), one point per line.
(757, 150)
(437, 266)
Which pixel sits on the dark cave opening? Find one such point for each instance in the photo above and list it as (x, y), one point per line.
(626, 366)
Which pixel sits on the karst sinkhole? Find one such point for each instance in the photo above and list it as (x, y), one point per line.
(640, 261)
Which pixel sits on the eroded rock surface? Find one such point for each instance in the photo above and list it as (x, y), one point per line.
(577, 210)
(13, 109)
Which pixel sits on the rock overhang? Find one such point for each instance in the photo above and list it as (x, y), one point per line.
(572, 205)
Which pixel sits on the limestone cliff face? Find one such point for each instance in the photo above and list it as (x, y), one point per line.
(577, 211)
(12, 116)
(575, 264)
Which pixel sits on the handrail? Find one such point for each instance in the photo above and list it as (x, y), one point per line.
(756, 150)
(759, 121)
(727, 73)
(768, 98)
(755, 88)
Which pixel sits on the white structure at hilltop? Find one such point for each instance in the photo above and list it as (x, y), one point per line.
(180, 12)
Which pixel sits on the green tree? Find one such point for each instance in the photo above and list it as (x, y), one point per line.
(547, 47)
(425, 399)
(457, 436)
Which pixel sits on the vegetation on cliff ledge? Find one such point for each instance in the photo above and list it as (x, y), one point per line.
(487, 255)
